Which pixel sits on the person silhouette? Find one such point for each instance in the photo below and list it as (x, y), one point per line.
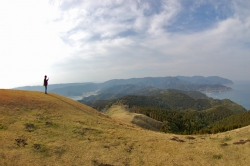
(45, 83)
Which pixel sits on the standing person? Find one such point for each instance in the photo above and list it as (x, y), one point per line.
(45, 83)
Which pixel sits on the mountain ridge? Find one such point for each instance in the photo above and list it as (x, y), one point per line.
(179, 83)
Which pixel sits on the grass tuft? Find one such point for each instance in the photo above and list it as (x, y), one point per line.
(224, 144)
(190, 137)
(217, 156)
(86, 131)
(177, 139)
(30, 127)
(21, 141)
(226, 138)
(239, 142)
(2, 127)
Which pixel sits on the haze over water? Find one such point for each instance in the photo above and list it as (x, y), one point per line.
(240, 93)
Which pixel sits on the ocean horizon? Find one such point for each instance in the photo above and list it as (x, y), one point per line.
(240, 93)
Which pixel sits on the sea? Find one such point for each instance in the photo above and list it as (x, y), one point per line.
(240, 93)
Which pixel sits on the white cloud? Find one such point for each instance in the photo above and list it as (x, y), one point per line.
(152, 45)
(83, 40)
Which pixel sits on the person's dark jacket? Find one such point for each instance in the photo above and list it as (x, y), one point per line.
(45, 82)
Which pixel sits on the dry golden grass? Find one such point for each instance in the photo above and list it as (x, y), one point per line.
(120, 112)
(39, 129)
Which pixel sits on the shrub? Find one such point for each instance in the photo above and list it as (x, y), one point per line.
(217, 156)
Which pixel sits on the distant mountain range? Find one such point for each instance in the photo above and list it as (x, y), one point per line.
(177, 102)
(121, 87)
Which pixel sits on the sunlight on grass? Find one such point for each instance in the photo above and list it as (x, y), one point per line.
(38, 129)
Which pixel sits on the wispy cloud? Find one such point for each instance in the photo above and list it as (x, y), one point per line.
(165, 37)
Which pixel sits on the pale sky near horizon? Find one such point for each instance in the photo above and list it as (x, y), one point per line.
(95, 41)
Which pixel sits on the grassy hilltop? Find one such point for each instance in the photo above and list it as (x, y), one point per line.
(39, 129)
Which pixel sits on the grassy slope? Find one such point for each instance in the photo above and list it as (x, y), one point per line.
(69, 133)
(119, 112)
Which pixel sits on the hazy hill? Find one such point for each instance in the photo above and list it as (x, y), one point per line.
(51, 86)
(117, 91)
(67, 89)
(167, 99)
(206, 80)
(158, 82)
(180, 83)
(38, 129)
(76, 90)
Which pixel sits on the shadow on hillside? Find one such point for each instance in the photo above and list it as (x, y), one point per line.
(146, 122)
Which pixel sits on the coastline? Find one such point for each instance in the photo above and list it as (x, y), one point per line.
(240, 93)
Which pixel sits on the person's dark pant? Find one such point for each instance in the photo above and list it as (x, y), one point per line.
(45, 89)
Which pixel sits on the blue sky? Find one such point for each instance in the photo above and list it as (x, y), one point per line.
(94, 41)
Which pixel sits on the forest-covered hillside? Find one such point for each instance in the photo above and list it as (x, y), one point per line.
(181, 113)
